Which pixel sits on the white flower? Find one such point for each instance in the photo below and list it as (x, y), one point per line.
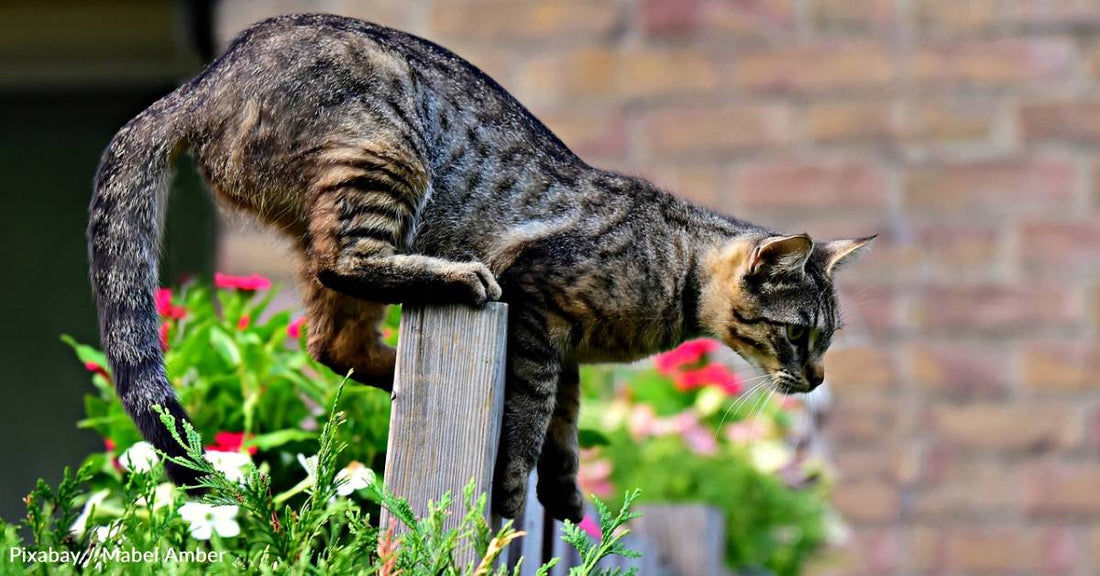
(354, 477)
(162, 496)
(81, 522)
(232, 464)
(141, 457)
(310, 465)
(104, 533)
(206, 520)
(768, 456)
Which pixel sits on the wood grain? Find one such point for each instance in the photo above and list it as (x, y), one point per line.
(448, 399)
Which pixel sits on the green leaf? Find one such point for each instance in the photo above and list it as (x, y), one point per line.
(275, 439)
(224, 345)
(590, 438)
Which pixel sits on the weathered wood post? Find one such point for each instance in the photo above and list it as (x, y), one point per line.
(448, 399)
(690, 539)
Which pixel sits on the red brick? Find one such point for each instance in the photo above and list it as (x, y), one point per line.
(810, 186)
(1067, 248)
(1094, 546)
(700, 183)
(1062, 121)
(849, 121)
(942, 121)
(1058, 550)
(593, 134)
(860, 368)
(863, 419)
(870, 311)
(960, 487)
(996, 310)
(603, 74)
(877, 551)
(859, 14)
(995, 63)
(1062, 367)
(991, 188)
(960, 369)
(1063, 489)
(959, 251)
(872, 462)
(1008, 428)
(496, 21)
(952, 17)
(670, 17)
(759, 18)
(993, 549)
(815, 67)
(1074, 14)
(701, 130)
(867, 501)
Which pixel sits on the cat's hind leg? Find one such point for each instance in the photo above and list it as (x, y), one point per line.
(559, 460)
(363, 209)
(343, 334)
(533, 368)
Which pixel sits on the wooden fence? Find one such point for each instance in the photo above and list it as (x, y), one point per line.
(448, 399)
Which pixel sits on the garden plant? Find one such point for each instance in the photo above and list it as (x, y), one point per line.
(290, 456)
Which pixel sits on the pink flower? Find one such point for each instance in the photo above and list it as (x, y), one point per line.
(246, 283)
(97, 369)
(294, 330)
(109, 444)
(711, 374)
(643, 421)
(164, 336)
(595, 478)
(589, 526)
(230, 442)
(243, 323)
(165, 306)
(687, 353)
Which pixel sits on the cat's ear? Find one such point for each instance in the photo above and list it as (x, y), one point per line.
(839, 252)
(780, 255)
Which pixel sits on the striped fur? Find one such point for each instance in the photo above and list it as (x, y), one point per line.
(404, 174)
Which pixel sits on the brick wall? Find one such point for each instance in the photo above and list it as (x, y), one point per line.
(966, 423)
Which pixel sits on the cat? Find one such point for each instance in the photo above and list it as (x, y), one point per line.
(404, 174)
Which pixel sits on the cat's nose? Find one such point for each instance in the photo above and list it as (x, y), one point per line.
(815, 374)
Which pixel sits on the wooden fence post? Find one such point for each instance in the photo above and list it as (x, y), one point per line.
(690, 539)
(448, 399)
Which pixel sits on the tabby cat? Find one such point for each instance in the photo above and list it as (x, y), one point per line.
(404, 174)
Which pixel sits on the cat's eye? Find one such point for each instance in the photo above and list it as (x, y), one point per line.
(795, 332)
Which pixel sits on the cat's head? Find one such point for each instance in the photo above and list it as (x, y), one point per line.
(771, 300)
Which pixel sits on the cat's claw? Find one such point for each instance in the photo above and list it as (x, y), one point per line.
(479, 281)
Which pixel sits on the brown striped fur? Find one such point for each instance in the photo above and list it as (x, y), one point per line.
(404, 174)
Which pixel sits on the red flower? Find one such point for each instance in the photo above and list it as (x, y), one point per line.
(711, 374)
(165, 307)
(109, 444)
(243, 323)
(230, 442)
(97, 369)
(294, 330)
(164, 336)
(686, 354)
(247, 283)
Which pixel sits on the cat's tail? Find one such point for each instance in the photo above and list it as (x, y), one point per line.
(124, 235)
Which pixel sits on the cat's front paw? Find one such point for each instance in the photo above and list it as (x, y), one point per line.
(562, 499)
(509, 496)
(476, 283)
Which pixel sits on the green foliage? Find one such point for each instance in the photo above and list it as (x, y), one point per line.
(324, 534)
(265, 507)
(688, 431)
